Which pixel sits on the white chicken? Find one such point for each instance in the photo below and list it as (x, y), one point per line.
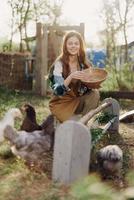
(9, 119)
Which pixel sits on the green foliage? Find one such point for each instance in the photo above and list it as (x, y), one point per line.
(4, 45)
(104, 117)
(92, 188)
(15, 98)
(96, 135)
(119, 79)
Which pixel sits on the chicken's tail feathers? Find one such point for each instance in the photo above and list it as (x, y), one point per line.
(48, 121)
(9, 133)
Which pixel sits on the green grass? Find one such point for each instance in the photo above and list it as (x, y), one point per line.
(11, 99)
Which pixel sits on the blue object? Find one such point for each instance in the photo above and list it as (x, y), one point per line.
(96, 57)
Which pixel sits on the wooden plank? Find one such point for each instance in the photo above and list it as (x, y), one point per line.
(127, 117)
(89, 115)
(44, 63)
(38, 58)
(117, 94)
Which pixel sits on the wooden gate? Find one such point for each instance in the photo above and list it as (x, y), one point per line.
(48, 46)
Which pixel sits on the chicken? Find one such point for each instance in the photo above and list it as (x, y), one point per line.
(8, 119)
(27, 145)
(110, 160)
(29, 123)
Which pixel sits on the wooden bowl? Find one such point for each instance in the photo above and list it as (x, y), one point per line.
(94, 77)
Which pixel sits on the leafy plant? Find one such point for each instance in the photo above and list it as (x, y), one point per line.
(96, 135)
(104, 117)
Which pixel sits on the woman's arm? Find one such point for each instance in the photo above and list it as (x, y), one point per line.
(57, 84)
(60, 85)
(74, 75)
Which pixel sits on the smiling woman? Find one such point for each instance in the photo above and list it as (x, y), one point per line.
(70, 96)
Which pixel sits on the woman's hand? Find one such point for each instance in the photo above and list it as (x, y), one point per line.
(77, 75)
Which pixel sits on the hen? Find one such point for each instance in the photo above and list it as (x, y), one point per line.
(8, 119)
(29, 123)
(29, 146)
(110, 159)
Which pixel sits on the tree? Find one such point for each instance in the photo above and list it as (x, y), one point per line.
(12, 24)
(111, 30)
(124, 19)
(26, 11)
(20, 12)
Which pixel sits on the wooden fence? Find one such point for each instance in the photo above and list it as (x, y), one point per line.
(15, 71)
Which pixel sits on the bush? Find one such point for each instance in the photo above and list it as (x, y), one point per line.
(119, 79)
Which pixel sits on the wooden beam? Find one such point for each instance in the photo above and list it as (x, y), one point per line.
(117, 94)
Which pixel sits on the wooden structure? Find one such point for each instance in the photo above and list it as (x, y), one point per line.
(48, 44)
(16, 70)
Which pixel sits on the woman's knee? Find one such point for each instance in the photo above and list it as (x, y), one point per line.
(96, 95)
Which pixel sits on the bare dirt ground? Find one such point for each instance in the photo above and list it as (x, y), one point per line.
(126, 131)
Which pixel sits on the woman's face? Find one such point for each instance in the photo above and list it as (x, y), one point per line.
(73, 45)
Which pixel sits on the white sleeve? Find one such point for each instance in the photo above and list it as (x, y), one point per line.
(58, 69)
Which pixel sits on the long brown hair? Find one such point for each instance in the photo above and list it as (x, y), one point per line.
(64, 57)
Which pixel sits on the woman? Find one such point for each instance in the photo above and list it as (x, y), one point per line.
(70, 95)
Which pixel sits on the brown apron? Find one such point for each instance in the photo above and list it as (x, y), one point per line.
(63, 107)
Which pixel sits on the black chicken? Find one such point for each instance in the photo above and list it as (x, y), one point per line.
(29, 123)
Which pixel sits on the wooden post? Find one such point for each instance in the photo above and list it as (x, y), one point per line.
(41, 60)
(44, 67)
(38, 58)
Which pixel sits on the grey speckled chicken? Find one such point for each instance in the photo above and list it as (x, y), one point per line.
(110, 160)
(29, 146)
